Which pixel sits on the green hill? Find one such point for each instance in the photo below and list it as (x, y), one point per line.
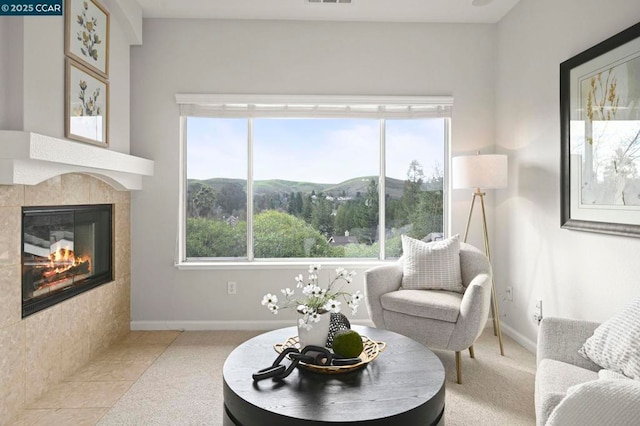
(350, 188)
(217, 183)
(286, 186)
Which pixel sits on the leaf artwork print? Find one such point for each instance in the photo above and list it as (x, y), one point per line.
(88, 35)
(89, 106)
(611, 168)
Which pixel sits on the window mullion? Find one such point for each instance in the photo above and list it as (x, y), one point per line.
(446, 217)
(250, 251)
(382, 227)
(181, 255)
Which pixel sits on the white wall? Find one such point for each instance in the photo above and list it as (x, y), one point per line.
(576, 274)
(11, 54)
(273, 57)
(33, 69)
(4, 71)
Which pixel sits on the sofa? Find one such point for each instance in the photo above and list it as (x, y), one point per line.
(573, 390)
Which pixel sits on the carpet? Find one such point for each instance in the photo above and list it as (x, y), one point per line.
(184, 385)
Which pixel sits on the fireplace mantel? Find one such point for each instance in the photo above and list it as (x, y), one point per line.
(28, 158)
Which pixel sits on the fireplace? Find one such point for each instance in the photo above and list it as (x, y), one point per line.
(66, 251)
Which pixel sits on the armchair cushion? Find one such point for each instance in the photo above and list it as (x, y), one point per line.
(431, 266)
(614, 344)
(434, 304)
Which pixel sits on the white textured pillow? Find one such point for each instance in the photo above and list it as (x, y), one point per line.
(597, 403)
(605, 374)
(431, 266)
(615, 344)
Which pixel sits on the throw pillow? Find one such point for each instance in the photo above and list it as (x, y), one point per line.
(432, 266)
(614, 344)
(599, 402)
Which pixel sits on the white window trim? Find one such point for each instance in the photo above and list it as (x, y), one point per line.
(246, 106)
(312, 106)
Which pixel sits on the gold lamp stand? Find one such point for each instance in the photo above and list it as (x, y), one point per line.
(487, 251)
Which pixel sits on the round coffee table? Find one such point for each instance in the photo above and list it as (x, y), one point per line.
(404, 385)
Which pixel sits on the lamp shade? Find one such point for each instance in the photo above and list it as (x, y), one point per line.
(479, 171)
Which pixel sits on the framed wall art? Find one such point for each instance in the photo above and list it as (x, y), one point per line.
(600, 137)
(87, 34)
(86, 105)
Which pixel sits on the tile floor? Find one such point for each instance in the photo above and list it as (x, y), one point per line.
(85, 397)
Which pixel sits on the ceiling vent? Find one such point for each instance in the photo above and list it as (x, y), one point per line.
(330, 1)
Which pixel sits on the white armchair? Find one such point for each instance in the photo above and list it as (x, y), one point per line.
(436, 318)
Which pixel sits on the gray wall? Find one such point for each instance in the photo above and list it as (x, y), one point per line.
(576, 274)
(272, 57)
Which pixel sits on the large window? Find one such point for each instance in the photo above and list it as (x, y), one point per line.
(307, 179)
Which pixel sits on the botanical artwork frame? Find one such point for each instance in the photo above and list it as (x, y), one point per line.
(86, 105)
(600, 137)
(87, 34)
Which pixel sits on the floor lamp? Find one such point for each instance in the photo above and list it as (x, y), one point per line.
(482, 172)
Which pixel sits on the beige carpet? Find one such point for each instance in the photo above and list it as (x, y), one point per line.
(184, 386)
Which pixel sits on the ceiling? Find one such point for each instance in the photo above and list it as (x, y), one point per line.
(449, 11)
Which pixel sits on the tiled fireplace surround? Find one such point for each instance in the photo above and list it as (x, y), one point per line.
(40, 350)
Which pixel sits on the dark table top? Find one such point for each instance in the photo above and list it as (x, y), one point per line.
(405, 383)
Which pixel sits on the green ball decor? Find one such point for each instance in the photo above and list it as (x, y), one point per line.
(347, 343)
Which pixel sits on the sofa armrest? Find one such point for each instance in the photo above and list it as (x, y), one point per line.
(380, 280)
(561, 338)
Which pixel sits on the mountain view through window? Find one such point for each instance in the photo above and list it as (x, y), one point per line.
(274, 188)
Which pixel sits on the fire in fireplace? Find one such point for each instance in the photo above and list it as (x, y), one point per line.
(65, 251)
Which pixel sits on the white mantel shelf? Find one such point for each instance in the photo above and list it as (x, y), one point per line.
(28, 158)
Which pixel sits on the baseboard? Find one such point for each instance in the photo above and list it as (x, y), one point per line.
(219, 325)
(528, 344)
(272, 325)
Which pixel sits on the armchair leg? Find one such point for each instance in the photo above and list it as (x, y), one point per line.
(459, 367)
(471, 352)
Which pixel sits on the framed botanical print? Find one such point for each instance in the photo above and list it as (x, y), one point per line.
(86, 105)
(87, 34)
(600, 137)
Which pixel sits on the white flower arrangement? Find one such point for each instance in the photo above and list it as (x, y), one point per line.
(317, 300)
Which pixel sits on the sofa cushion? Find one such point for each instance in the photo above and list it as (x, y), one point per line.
(553, 379)
(614, 344)
(431, 266)
(434, 304)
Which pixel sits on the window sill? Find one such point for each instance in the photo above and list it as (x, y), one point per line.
(284, 264)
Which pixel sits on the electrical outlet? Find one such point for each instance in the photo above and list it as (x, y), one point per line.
(509, 293)
(537, 314)
(231, 287)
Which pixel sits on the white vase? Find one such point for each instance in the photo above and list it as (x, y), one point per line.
(317, 336)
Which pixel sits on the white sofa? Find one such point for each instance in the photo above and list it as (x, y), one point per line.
(570, 389)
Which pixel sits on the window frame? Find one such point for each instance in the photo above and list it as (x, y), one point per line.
(323, 106)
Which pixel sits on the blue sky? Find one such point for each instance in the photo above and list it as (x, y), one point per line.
(313, 150)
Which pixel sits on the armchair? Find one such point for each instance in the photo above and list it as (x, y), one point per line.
(436, 318)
